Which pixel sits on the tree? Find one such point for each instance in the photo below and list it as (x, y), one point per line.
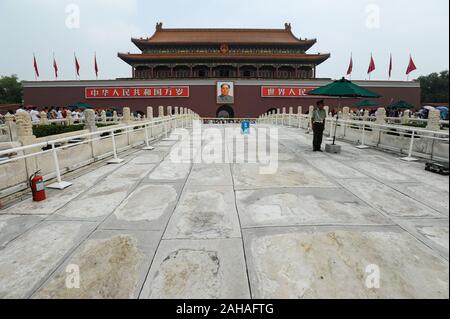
(10, 90)
(434, 87)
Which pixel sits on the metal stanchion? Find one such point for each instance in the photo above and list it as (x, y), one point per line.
(409, 158)
(147, 140)
(59, 184)
(115, 160)
(363, 146)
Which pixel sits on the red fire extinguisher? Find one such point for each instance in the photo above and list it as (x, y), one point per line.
(37, 187)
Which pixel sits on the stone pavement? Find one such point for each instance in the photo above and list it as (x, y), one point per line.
(323, 226)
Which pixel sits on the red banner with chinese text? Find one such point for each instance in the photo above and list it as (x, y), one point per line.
(284, 91)
(137, 92)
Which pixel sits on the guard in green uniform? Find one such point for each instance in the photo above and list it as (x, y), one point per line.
(318, 125)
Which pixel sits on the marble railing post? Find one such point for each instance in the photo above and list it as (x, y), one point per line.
(405, 117)
(380, 116)
(434, 117)
(126, 115)
(89, 120)
(25, 137)
(69, 120)
(44, 120)
(12, 127)
(115, 117)
(103, 117)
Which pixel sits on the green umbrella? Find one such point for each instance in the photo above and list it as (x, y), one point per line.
(81, 105)
(366, 103)
(342, 88)
(400, 105)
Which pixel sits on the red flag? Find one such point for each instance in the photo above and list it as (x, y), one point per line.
(390, 67)
(36, 70)
(55, 67)
(411, 66)
(371, 65)
(95, 65)
(77, 66)
(350, 66)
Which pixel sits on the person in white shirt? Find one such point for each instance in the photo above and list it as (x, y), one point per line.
(75, 115)
(34, 113)
(59, 114)
(20, 109)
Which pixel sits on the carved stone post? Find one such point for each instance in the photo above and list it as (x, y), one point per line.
(89, 120)
(103, 116)
(126, 115)
(380, 116)
(115, 117)
(405, 117)
(149, 113)
(43, 118)
(434, 118)
(12, 127)
(25, 137)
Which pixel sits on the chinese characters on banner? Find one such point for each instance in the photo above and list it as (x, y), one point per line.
(137, 92)
(284, 91)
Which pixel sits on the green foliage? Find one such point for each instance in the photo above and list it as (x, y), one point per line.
(11, 90)
(48, 130)
(434, 87)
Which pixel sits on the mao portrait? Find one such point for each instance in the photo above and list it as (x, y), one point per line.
(225, 92)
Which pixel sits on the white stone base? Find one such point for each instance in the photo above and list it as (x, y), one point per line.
(148, 148)
(330, 148)
(409, 159)
(115, 161)
(362, 147)
(60, 186)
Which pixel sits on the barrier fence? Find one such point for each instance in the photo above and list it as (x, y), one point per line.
(18, 163)
(412, 141)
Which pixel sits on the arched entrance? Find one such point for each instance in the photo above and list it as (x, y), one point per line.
(225, 111)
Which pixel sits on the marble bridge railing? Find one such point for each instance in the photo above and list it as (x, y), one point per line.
(430, 143)
(56, 155)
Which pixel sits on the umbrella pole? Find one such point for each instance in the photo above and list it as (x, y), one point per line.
(337, 119)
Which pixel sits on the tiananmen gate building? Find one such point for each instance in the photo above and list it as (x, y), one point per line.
(214, 72)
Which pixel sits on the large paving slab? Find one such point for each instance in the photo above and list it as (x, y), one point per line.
(148, 207)
(304, 206)
(336, 263)
(168, 171)
(111, 265)
(335, 169)
(26, 261)
(387, 199)
(210, 174)
(11, 226)
(198, 269)
(56, 198)
(433, 232)
(98, 202)
(205, 212)
(288, 174)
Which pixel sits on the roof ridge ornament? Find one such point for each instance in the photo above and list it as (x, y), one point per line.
(159, 26)
(287, 26)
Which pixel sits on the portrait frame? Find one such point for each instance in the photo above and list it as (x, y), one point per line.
(223, 100)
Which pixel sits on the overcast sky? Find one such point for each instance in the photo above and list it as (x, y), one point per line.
(106, 26)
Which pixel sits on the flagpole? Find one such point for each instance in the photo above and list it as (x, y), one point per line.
(54, 63)
(75, 60)
(95, 59)
(34, 63)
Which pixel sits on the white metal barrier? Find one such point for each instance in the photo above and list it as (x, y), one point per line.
(28, 151)
(363, 126)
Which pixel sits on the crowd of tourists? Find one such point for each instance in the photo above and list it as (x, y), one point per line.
(56, 113)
